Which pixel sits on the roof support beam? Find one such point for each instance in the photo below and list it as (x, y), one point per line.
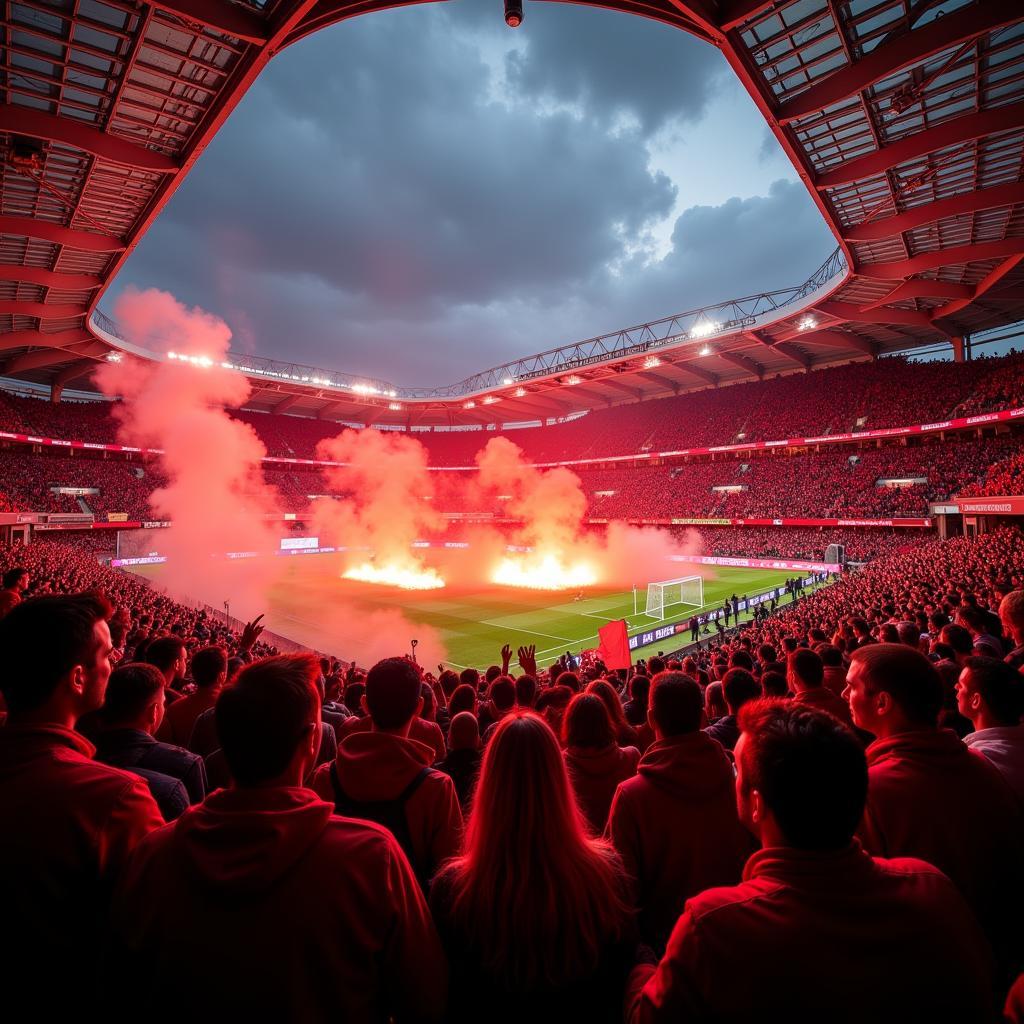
(854, 314)
(286, 403)
(672, 385)
(792, 352)
(41, 358)
(743, 362)
(87, 241)
(231, 19)
(698, 371)
(68, 374)
(597, 398)
(921, 288)
(43, 310)
(986, 284)
(544, 406)
(331, 408)
(928, 213)
(69, 132)
(37, 339)
(48, 278)
(903, 52)
(965, 128)
(761, 338)
(612, 383)
(951, 257)
(839, 339)
(735, 12)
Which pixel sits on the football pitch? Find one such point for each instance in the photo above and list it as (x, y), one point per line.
(311, 605)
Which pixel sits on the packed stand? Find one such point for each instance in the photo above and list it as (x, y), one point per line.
(28, 479)
(861, 544)
(689, 839)
(1005, 477)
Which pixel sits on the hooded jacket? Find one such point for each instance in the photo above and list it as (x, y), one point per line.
(261, 904)
(374, 766)
(822, 936)
(676, 828)
(421, 730)
(68, 824)
(596, 774)
(929, 796)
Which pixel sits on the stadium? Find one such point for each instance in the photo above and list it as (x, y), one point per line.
(607, 672)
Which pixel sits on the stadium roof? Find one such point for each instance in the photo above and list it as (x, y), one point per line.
(903, 118)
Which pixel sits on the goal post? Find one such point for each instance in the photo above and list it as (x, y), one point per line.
(687, 590)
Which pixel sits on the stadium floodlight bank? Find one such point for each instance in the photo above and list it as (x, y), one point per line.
(687, 590)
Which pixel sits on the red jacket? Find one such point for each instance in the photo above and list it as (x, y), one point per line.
(595, 776)
(375, 766)
(836, 936)
(180, 717)
(822, 698)
(426, 732)
(676, 828)
(260, 904)
(68, 825)
(929, 796)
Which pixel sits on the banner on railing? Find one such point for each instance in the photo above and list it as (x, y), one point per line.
(759, 563)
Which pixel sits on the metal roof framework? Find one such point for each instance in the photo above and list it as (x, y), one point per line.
(903, 118)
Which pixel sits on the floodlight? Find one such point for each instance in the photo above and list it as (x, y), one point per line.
(705, 327)
(513, 13)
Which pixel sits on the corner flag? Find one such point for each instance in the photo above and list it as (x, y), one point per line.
(614, 646)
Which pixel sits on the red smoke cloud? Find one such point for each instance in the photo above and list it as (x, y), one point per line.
(552, 506)
(385, 496)
(216, 498)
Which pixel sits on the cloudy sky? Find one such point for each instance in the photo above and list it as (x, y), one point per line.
(424, 193)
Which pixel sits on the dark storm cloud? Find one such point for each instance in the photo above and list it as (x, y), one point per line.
(379, 204)
(739, 248)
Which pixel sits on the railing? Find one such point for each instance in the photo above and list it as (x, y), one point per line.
(696, 326)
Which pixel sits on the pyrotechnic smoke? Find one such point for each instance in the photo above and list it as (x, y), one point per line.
(216, 497)
(552, 507)
(385, 505)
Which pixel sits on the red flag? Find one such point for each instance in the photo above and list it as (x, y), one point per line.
(614, 645)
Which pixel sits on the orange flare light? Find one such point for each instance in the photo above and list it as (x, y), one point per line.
(543, 572)
(395, 576)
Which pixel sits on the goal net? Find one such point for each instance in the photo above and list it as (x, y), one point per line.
(688, 590)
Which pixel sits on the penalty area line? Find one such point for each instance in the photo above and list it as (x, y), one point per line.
(531, 632)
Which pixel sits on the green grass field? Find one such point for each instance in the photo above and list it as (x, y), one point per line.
(311, 605)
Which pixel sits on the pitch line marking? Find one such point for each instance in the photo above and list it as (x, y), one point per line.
(532, 632)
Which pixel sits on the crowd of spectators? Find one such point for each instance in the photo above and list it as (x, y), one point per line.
(832, 483)
(865, 395)
(837, 482)
(861, 544)
(818, 818)
(27, 480)
(1005, 477)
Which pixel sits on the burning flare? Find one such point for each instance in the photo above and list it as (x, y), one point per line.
(391, 574)
(543, 572)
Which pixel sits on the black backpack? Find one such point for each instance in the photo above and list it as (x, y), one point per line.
(388, 813)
